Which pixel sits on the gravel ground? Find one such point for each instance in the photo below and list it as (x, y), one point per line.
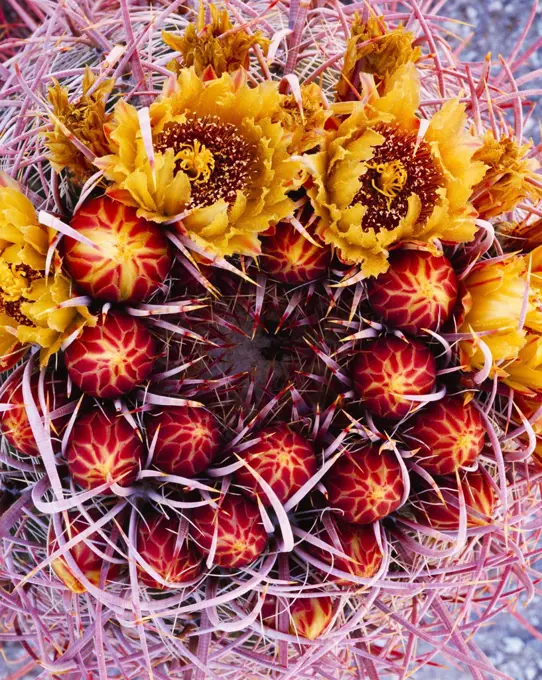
(507, 644)
(498, 23)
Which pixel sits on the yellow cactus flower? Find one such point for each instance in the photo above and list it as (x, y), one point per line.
(377, 181)
(22, 239)
(386, 52)
(218, 159)
(216, 47)
(525, 373)
(495, 294)
(511, 177)
(30, 301)
(83, 119)
(494, 310)
(306, 123)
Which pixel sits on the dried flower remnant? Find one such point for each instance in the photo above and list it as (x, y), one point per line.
(219, 159)
(525, 373)
(305, 119)
(216, 47)
(512, 176)
(525, 235)
(84, 119)
(373, 48)
(376, 182)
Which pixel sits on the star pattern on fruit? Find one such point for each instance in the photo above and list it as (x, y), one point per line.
(241, 537)
(113, 357)
(418, 292)
(441, 511)
(157, 543)
(365, 485)
(360, 546)
(450, 435)
(283, 458)
(187, 440)
(290, 257)
(128, 259)
(103, 447)
(388, 370)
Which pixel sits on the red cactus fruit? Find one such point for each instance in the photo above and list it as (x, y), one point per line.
(419, 291)
(389, 368)
(529, 405)
(307, 617)
(158, 545)
(241, 537)
(449, 433)
(86, 559)
(188, 439)
(112, 358)
(442, 511)
(283, 458)
(14, 423)
(15, 354)
(365, 485)
(131, 258)
(358, 543)
(103, 446)
(288, 257)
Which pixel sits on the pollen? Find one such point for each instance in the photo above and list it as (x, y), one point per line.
(15, 281)
(401, 166)
(218, 160)
(12, 282)
(197, 161)
(393, 177)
